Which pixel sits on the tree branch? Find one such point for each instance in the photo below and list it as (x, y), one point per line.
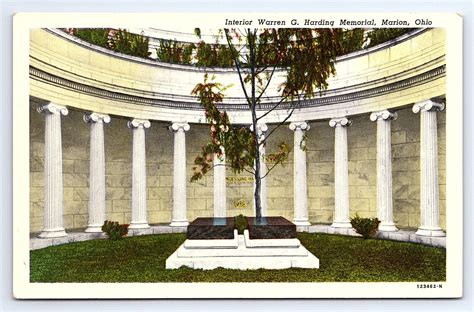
(293, 107)
(262, 69)
(250, 171)
(269, 169)
(237, 65)
(273, 108)
(265, 88)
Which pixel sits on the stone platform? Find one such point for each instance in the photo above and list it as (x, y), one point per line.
(242, 253)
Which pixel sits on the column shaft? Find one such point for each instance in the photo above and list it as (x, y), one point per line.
(384, 170)
(429, 189)
(179, 215)
(53, 172)
(300, 196)
(139, 208)
(263, 182)
(220, 200)
(341, 174)
(96, 172)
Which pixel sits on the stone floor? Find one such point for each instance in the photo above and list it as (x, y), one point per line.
(38, 243)
(401, 235)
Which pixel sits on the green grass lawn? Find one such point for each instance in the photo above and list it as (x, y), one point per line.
(142, 259)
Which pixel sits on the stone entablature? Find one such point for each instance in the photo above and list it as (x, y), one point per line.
(372, 80)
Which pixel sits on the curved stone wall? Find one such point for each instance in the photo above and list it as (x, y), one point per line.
(73, 73)
(83, 78)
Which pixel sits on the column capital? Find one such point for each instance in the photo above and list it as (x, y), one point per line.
(341, 121)
(95, 117)
(52, 108)
(136, 123)
(384, 115)
(299, 125)
(176, 126)
(261, 128)
(428, 106)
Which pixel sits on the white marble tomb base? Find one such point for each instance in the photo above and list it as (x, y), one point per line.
(242, 253)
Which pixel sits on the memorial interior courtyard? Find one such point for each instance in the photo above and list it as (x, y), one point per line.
(115, 136)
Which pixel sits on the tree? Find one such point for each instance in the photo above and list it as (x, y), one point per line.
(307, 56)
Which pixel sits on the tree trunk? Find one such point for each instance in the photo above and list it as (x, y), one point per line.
(258, 207)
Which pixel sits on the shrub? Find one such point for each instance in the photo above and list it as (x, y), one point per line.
(365, 226)
(131, 44)
(380, 35)
(97, 36)
(114, 230)
(172, 51)
(351, 40)
(240, 223)
(117, 40)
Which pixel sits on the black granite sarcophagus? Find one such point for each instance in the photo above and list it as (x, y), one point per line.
(270, 227)
(211, 228)
(259, 228)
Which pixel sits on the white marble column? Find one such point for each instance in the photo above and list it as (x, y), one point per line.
(261, 130)
(384, 169)
(341, 173)
(139, 213)
(53, 172)
(429, 192)
(96, 171)
(179, 217)
(300, 193)
(220, 200)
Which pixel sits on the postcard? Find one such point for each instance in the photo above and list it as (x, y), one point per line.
(239, 155)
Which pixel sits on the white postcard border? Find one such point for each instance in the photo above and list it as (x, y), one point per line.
(24, 289)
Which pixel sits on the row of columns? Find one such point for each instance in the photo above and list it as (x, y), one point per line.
(429, 202)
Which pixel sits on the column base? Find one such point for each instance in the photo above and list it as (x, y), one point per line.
(138, 225)
(387, 227)
(437, 232)
(301, 222)
(53, 233)
(179, 223)
(341, 224)
(93, 229)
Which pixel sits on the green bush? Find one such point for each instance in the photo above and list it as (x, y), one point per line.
(240, 223)
(130, 44)
(365, 226)
(351, 40)
(171, 51)
(97, 36)
(117, 40)
(214, 55)
(114, 230)
(380, 35)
